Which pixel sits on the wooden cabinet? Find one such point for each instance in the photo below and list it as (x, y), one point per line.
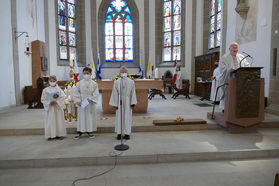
(39, 61)
(204, 67)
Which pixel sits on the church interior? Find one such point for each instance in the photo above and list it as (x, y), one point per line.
(197, 121)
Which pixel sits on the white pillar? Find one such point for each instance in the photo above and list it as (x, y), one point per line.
(199, 27)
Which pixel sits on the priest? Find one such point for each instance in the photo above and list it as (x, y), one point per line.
(123, 89)
(228, 63)
(86, 97)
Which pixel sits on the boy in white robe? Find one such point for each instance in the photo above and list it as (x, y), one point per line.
(129, 100)
(53, 99)
(86, 97)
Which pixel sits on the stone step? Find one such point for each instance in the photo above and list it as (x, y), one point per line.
(145, 147)
(140, 159)
(138, 128)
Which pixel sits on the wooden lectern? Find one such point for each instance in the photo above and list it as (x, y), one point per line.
(244, 101)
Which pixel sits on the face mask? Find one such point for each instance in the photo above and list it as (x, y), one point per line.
(52, 84)
(123, 75)
(86, 76)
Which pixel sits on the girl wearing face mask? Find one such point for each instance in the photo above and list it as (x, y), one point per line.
(53, 99)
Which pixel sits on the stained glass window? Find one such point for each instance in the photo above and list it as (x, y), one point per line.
(67, 29)
(171, 30)
(215, 17)
(119, 32)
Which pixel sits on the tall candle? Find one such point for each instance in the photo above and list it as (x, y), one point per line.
(71, 62)
(156, 73)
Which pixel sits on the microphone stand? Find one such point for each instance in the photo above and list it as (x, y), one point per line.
(243, 59)
(121, 147)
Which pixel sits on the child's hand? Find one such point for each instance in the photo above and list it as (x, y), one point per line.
(115, 108)
(53, 103)
(89, 100)
(79, 103)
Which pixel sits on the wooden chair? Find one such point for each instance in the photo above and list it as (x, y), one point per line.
(184, 91)
(156, 92)
(167, 78)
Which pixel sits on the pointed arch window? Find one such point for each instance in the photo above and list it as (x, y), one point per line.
(67, 29)
(215, 16)
(119, 33)
(171, 30)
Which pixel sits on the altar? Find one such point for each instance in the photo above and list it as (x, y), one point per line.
(142, 87)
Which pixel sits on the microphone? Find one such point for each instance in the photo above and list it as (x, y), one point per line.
(247, 54)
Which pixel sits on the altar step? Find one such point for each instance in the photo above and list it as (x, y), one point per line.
(152, 147)
(273, 109)
(143, 128)
(140, 159)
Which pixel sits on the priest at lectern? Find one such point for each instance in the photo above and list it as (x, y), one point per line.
(228, 63)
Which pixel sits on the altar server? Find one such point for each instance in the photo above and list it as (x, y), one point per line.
(123, 88)
(214, 84)
(53, 99)
(228, 63)
(178, 81)
(86, 97)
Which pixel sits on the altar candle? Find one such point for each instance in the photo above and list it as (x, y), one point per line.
(156, 73)
(71, 62)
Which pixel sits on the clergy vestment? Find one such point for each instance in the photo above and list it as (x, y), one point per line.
(214, 84)
(87, 117)
(128, 92)
(54, 114)
(227, 63)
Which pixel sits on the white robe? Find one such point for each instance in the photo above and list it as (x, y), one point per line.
(178, 81)
(87, 117)
(214, 85)
(129, 98)
(226, 64)
(54, 114)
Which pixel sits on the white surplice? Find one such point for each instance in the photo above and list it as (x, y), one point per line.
(214, 84)
(226, 64)
(87, 117)
(129, 98)
(54, 114)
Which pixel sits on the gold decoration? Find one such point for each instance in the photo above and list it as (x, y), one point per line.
(179, 119)
(69, 116)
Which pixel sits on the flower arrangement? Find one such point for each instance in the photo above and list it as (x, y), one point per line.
(56, 96)
(71, 83)
(118, 76)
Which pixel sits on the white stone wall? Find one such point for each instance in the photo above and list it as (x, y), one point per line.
(36, 31)
(7, 92)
